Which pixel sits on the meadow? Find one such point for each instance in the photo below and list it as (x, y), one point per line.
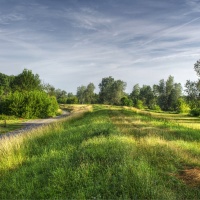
(104, 152)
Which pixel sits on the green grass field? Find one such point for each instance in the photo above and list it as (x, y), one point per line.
(105, 153)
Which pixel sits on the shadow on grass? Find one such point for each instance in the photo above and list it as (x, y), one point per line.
(167, 130)
(9, 127)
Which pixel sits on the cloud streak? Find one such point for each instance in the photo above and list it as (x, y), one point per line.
(70, 44)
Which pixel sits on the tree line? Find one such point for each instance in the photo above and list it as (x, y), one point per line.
(19, 95)
(167, 95)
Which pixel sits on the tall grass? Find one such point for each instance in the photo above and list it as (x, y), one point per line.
(107, 153)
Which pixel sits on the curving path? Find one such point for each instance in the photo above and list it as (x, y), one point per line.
(35, 123)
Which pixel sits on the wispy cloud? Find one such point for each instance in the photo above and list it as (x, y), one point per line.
(70, 44)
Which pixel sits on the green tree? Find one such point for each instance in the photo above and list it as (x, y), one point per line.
(117, 92)
(27, 81)
(193, 94)
(197, 67)
(5, 84)
(146, 96)
(81, 94)
(61, 95)
(49, 89)
(111, 91)
(89, 93)
(72, 100)
(174, 96)
(168, 93)
(193, 91)
(105, 90)
(135, 94)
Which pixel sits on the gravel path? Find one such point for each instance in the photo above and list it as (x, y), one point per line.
(34, 123)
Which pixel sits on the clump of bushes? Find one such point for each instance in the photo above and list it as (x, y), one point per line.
(30, 104)
(125, 101)
(182, 106)
(156, 108)
(139, 104)
(195, 112)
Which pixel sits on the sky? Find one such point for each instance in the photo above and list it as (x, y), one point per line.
(70, 43)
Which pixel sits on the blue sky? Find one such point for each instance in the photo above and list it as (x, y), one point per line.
(74, 42)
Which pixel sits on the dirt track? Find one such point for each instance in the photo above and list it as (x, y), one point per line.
(35, 123)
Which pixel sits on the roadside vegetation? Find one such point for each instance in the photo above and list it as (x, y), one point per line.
(104, 152)
(9, 123)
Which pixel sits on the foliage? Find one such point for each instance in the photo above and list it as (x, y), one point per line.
(61, 95)
(197, 67)
(182, 106)
(193, 93)
(146, 96)
(139, 104)
(156, 108)
(134, 95)
(5, 84)
(34, 104)
(168, 94)
(81, 94)
(72, 100)
(125, 101)
(111, 91)
(26, 81)
(195, 112)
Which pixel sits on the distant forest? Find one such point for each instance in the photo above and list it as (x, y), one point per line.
(25, 96)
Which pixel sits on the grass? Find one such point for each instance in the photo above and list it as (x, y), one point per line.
(105, 153)
(10, 125)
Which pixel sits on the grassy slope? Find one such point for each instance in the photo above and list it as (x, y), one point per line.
(108, 153)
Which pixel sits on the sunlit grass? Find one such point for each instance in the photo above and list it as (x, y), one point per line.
(10, 125)
(181, 119)
(106, 153)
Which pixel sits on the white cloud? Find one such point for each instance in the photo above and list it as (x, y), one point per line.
(98, 44)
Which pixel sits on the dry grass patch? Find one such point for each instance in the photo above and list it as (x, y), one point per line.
(190, 177)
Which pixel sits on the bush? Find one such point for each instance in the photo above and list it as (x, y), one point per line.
(182, 106)
(72, 100)
(195, 112)
(34, 104)
(139, 104)
(156, 108)
(125, 101)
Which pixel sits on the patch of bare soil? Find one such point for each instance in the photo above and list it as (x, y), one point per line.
(190, 177)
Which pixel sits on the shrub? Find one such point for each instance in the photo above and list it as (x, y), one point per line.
(182, 106)
(195, 112)
(72, 100)
(34, 104)
(156, 108)
(125, 101)
(139, 104)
